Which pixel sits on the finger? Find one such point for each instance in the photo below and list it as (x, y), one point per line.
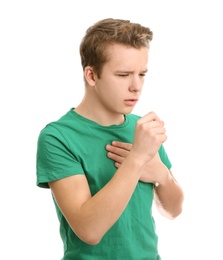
(115, 157)
(116, 150)
(157, 130)
(126, 146)
(117, 165)
(151, 116)
(153, 124)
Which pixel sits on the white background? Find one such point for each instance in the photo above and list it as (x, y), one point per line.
(41, 79)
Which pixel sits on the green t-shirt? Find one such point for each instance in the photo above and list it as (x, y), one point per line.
(76, 145)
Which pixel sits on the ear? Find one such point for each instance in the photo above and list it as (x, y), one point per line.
(89, 75)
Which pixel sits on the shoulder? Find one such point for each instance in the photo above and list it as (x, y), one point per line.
(56, 125)
(55, 129)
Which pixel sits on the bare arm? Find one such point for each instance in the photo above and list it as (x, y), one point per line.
(91, 217)
(168, 193)
(169, 196)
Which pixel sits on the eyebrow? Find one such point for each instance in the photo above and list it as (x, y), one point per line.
(130, 71)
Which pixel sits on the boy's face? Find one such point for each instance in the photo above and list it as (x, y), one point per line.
(122, 78)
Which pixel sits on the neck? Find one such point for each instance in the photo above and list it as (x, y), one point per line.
(99, 116)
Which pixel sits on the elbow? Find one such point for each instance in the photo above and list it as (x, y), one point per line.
(93, 241)
(89, 237)
(178, 209)
(87, 232)
(176, 214)
(171, 213)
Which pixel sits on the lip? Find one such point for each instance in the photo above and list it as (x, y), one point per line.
(130, 101)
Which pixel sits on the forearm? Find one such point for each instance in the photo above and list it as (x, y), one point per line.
(169, 196)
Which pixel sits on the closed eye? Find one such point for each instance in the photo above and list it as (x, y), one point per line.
(123, 75)
(126, 74)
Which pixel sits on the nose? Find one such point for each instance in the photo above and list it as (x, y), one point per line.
(136, 84)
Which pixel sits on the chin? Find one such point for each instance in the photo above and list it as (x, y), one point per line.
(128, 110)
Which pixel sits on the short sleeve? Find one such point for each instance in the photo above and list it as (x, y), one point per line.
(54, 159)
(164, 157)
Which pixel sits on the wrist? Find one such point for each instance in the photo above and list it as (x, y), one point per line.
(135, 162)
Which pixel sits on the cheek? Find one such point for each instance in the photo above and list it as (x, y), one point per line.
(113, 89)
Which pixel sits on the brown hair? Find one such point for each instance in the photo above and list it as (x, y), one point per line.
(107, 32)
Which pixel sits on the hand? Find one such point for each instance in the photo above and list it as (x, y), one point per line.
(118, 151)
(149, 135)
(152, 170)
